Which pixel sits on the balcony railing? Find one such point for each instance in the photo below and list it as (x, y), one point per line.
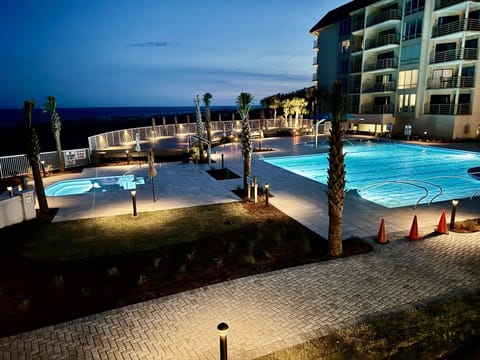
(439, 4)
(456, 26)
(448, 109)
(379, 87)
(390, 39)
(389, 63)
(378, 109)
(358, 24)
(392, 14)
(315, 61)
(314, 77)
(454, 55)
(451, 82)
(315, 44)
(355, 67)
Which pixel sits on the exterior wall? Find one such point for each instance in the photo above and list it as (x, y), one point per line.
(16, 209)
(381, 36)
(327, 54)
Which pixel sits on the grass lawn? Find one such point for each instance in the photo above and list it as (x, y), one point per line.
(53, 272)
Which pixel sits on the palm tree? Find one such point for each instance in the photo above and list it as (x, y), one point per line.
(199, 126)
(336, 170)
(206, 100)
(244, 104)
(32, 145)
(275, 104)
(51, 107)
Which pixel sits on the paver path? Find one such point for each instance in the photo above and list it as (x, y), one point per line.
(265, 312)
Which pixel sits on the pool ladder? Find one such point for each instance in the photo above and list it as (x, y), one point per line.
(413, 183)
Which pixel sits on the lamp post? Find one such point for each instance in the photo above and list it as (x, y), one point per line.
(222, 329)
(267, 189)
(134, 201)
(10, 191)
(454, 210)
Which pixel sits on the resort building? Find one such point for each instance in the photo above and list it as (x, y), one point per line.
(409, 67)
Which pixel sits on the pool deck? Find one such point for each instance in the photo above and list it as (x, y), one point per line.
(270, 311)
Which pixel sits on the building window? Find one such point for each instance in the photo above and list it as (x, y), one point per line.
(406, 102)
(410, 54)
(412, 29)
(345, 46)
(345, 27)
(407, 79)
(413, 6)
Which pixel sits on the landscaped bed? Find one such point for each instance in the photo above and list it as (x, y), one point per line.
(54, 272)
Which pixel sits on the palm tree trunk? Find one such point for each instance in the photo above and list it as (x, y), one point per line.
(246, 171)
(39, 188)
(58, 144)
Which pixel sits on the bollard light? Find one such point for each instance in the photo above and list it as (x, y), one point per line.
(134, 201)
(20, 188)
(267, 190)
(43, 167)
(128, 159)
(454, 211)
(10, 191)
(222, 329)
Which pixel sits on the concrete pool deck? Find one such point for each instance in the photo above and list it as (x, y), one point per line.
(270, 311)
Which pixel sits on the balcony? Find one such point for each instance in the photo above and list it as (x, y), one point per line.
(355, 67)
(390, 39)
(378, 109)
(456, 26)
(314, 77)
(451, 82)
(315, 61)
(358, 24)
(315, 44)
(454, 55)
(389, 63)
(392, 14)
(379, 87)
(440, 4)
(448, 109)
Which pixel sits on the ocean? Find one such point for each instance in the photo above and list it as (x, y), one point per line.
(16, 116)
(80, 123)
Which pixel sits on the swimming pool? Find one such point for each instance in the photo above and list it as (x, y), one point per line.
(98, 184)
(395, 175)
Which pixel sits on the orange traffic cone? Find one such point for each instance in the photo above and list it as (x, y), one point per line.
(414, 230)
(382, 237)
(442, 224)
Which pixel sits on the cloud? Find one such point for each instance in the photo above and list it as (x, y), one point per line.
(151, 44)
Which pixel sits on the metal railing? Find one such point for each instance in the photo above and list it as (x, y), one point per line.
(439, 4)
(456, 26)
(451, 82)
(454, 55)
(378, 109)
(225, 128)
(392, 14)
(14, 165)
(389, 63)
(390, 39)
(448, 109)
(379, 87)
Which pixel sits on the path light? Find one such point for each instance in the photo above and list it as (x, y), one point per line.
(134, 201)
(43, 167)
(222, 329)
(267, 189)
(10, 191)
(454, 210)
(128, 160)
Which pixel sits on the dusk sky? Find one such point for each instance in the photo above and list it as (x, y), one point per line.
(154, 52)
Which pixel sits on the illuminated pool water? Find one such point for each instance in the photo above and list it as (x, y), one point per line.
(99, 184)
(396, 175)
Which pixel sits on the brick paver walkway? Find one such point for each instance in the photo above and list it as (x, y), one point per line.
(266, 312)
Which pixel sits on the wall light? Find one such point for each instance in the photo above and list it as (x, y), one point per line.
(10, 191)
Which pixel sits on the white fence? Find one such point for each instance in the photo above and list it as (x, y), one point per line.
(14, 165)
(149, 133)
